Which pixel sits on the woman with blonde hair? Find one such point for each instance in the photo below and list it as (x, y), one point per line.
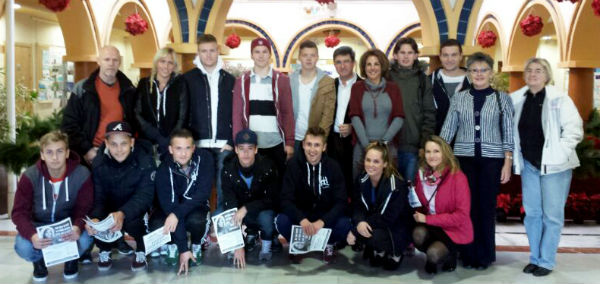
(443, 206)
(381, 216)
(162, 100)
(547, 130)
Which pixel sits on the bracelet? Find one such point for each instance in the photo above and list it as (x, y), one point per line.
(509, 157)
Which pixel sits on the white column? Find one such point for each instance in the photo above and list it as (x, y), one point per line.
(10, 88)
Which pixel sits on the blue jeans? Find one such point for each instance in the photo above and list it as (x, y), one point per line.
(263, 222)
(26, 251)
(544, 198)
(219, 157)
(339, 232)
(407, 165)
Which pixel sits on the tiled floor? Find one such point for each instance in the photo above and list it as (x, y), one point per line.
(349, 268)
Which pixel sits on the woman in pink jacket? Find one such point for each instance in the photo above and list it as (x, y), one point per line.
(443, 206)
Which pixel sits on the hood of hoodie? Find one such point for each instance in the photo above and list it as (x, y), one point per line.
(403, 73)
(199, 65)
(72, 163)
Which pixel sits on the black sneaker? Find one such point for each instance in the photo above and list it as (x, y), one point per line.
(449, 264)
(276, 245)
(530, 268)
(430, 268)
(86, 257)
(391, 264)
(540, 271)
(376, 260)
(123, 247)
(71, 269)
(251, 242)
(40, 272)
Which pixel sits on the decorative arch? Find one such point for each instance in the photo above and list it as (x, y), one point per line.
(431, 28)
(490, 21)
(404, 32)
(521, 47)
(258, 30)
(582, 37)
(190, 20)
(80, 32)
(332, 23)
(144, 46)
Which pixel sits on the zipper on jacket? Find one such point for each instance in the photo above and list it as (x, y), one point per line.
(207, 92)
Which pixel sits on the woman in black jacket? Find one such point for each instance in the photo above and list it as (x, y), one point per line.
(161, 101)
(382, 217)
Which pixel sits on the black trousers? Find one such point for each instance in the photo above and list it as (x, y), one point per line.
(483, 175)
(380, 240)
(196, 223)
(340, 149)
(134, 227)
(436, 234)
(277, 155)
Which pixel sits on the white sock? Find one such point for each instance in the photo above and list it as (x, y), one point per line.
(380, 254)
(266, 246)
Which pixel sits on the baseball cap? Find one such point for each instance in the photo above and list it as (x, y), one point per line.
(118, 127)
(259, 41)
(245, 136)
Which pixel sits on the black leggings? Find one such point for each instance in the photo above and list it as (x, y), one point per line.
(434, 242)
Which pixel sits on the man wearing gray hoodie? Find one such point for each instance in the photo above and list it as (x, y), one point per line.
(313, 94)
(210, 92)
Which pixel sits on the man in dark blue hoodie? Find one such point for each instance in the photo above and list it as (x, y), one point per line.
(313, 194)
(183, 184)
(124, 188)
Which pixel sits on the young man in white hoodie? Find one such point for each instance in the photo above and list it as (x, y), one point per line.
(210, 91)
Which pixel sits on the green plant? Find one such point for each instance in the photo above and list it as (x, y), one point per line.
(588, 150)
(25, 150)
(23, 96)
(500, 82)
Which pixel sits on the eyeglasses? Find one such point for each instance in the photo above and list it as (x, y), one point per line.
(479, 71)
(535, 71)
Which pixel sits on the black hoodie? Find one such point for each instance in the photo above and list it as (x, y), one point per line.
(303, 196)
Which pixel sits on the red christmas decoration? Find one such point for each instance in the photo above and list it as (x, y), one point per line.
(332, 41)
(572, 1)
(233, 41)
(531, 25)
(55, 5)
(325, 2)
(486, 39)
(135, 24)
(596, 7)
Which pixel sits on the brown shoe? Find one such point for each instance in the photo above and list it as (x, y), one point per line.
(139, 261)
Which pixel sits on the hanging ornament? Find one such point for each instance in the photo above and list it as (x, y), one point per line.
(55, 5)
(572, 1)
(531, 25)
(596, 7)
(332, 41)
(135, 24)
(325, 2)
(233, 40)
(486, 39)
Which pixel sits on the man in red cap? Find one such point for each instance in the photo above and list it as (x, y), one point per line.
(262, 102)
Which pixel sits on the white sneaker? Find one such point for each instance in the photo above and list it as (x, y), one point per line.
(139, 262)
(197, 252)
(164, 250)
(104, 261)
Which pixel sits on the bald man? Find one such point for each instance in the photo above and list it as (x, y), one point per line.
(106, 95)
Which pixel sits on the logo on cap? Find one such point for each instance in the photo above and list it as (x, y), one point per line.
(118, 127)
(260, 42)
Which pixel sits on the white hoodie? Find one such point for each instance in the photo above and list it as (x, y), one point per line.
(213, 83)
(563, 130)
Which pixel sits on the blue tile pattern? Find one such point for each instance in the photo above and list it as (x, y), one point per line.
(405, 31)
(263, 33)
(204, 14)
(183, 19)
(463, 20)
(322, 23)
(441, 19)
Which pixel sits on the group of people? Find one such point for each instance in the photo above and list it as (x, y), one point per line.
(367, 156)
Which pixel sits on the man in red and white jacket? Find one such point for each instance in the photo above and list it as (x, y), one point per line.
(55, 188)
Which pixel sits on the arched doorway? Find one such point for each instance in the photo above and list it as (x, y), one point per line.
(248, 31)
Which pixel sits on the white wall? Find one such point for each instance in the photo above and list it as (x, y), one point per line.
(121, 40)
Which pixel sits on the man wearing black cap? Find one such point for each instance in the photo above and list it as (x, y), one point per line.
(183, 185)
(124, 188)
(250, 185)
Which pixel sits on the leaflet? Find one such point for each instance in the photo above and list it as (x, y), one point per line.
(228, 234)
(301, 243)
(155, 239)
(60, 250)
(102, 228)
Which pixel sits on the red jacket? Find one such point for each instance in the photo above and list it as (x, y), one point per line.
(452, 207)
(30, 210)
(282, 97)
(356, 95)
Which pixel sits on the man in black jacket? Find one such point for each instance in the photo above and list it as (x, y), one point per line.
(106, 96)
(183, 184)
(339, 142)
(250, 184)
(448, 80)
(210, 92)
(124, 188)
(313, 194)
